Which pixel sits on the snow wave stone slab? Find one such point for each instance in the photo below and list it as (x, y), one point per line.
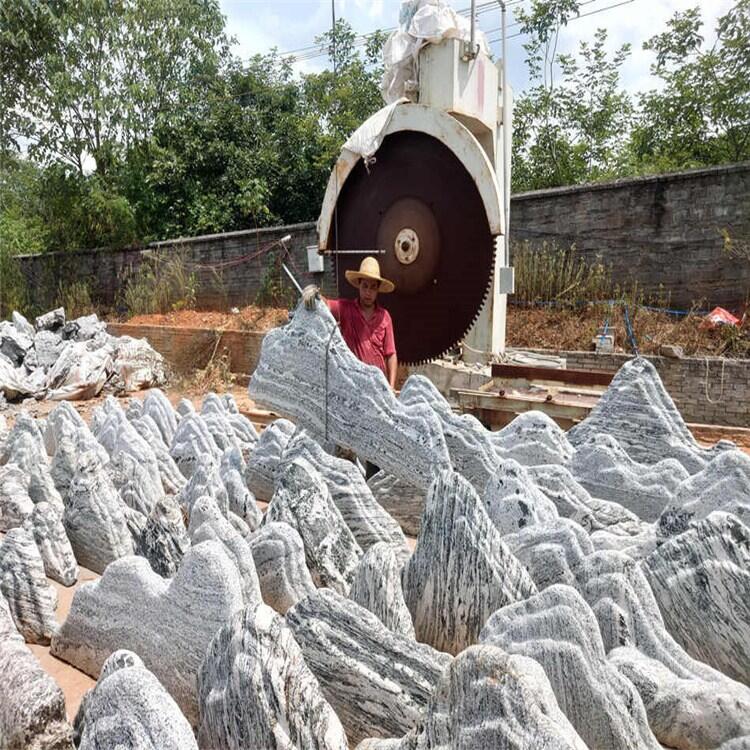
(558, 630)
(401, 500)
(95, 516)
(303, 501)
(256, 691)
(533, 438)
(378, 682)
(32, 705)
(366, 519)
(461, 571)
(701, 580)
(54, 546)
(308, 373)
(638, 412)
(264, 461)
(377, 587)
(486, 700)
(164, 540)
(31, 598)
(279, 557)
(169, 623)
(129, 708)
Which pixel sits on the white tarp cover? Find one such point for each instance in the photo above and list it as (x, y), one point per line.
(366, 139)
(421, 22)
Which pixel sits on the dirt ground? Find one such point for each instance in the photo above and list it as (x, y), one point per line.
(528, 328)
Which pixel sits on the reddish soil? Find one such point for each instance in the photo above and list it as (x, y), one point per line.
(544, 328)
(250, 318)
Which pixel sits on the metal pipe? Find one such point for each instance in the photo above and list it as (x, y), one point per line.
(507, 125)
(473, 30)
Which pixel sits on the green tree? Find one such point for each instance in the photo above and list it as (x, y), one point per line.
(571, 123)
(83, 80)
(701, 114)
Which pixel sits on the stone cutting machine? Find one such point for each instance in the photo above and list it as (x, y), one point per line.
(432, 203)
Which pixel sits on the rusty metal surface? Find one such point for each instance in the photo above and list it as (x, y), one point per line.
(417, 182)
(572, 377)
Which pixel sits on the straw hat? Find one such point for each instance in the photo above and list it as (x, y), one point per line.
(369, 268)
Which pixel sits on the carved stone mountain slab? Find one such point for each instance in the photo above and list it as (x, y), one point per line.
(264, 461)
(308, 373)
(256, 691)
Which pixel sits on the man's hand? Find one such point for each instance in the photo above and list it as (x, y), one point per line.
(310, 295)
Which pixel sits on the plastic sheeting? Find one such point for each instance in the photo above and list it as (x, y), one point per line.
(421, 22)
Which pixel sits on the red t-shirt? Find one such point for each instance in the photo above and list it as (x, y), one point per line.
(370, 340)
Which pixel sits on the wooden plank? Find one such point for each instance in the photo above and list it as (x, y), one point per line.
(555, 407)
(572, 377)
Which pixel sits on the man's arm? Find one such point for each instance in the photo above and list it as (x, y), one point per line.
(391, 365)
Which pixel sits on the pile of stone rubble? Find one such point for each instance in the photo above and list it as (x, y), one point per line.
(589, 589)
(74, 359)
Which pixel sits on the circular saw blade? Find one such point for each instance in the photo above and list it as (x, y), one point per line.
(418, 203)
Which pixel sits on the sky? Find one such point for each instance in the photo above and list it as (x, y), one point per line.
(260, 25)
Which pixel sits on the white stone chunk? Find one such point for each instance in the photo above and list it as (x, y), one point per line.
(303, 501)
(378, 682)
(461, 571)
(54, 546)
(192, 443)
(402, 501)
(95, 518)
(129, 708)
(31, 598)
(256, 691)
(279, 557)
(168, 622)
(558, 630)
(15, 504)
(32, 705)
(308, 373)
(533, 438)
(377, 587)
(489, 700)
(263, 463)
(701, 580)
(157, 406)
(164, 540)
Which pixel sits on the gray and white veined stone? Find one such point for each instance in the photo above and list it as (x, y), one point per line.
(684, 713)
(256, 691)
(222, 432)
(470, 447)
(14, 344)
(172, 479)
(573, 501)
(558, 630)
(47, 526)
(129, 708)
(701, 581)
(31, 598)
(134, 410)
(489, 700)
(377, 681)
(95, 519)
(303, 501)
(377, 587)
(461, 571)
(168, 622)
(602, 466)
(637, 546)
(279, 557)
(205, 481)
(638, 412)
(724, 484)
(512, 500)
(618, 593)
(739, 743)
(15, 504)
(164, 539)
(25, 449)
(63, 421)
(402, 501)
(308, 373)
(208, 523)
(241, 500)
(533, 438)
(47, 349)
(21, 323)
(184, 407)
(192, 443)
(157, 406)
(263, 463)
(32, 705)
(550, 552)
(51, 320)
(138, 479)
(366, 519)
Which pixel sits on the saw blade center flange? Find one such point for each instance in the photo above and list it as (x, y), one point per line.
(406, 246)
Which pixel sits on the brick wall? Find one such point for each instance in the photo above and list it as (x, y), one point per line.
(663, 231)
(728, 399)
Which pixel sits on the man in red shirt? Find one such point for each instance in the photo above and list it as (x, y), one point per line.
(366, 327)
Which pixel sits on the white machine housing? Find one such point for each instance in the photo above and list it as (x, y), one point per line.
(460, 100)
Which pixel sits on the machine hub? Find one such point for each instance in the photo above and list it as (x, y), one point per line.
(407, 246)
